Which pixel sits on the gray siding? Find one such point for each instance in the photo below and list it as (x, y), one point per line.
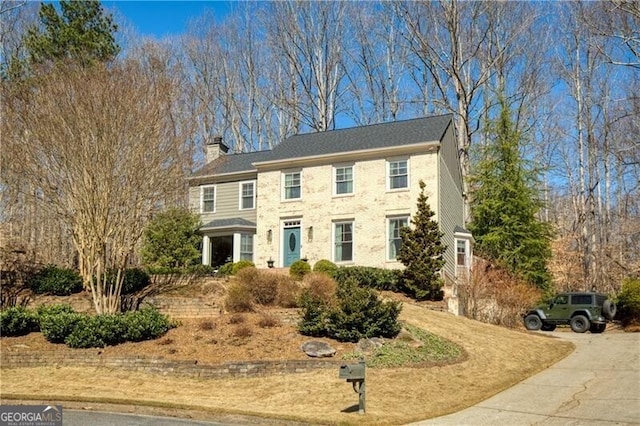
(451, 204)
(227, 203)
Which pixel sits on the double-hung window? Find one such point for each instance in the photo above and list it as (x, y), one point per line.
(343, 180)
(246, 247)
(292, 186)
(395, 241)
(208, 199)
(461, 253)
(247, 195)
(398, 174)
(343, 241)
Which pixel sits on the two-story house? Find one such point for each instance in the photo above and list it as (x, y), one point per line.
(341, 195)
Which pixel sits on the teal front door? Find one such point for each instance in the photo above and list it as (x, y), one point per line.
(291, 245)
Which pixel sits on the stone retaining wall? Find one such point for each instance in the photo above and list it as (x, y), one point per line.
(167, 367)
(184, 307)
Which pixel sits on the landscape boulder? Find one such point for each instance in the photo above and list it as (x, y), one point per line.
(369, 345)
(317, 349)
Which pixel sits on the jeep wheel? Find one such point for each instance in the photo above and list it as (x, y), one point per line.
(609, 309)
(597, 328)
(532, 322)
(580, 324)
(548, 327)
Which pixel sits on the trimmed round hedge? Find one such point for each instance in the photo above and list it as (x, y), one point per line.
(56, 281)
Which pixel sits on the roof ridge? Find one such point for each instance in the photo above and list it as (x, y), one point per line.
(384, 123)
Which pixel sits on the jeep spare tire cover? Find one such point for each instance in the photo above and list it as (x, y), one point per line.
(609, 309)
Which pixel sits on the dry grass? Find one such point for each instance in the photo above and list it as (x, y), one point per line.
(497, 359)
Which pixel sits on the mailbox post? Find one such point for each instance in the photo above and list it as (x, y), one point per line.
(354, 374)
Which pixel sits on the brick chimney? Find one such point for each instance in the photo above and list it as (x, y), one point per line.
(215, 148)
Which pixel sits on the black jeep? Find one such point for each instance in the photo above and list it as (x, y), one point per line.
(581, 310)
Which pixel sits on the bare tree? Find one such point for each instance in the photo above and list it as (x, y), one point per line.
(103, 150)
(597, 149)
(378, 61)
(15, 18)
(458, 48)
(307, 38)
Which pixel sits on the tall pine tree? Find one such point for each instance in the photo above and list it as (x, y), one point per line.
(81, 34)
(505, 207)
(422, 252)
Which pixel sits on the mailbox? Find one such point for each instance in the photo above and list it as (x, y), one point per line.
(352, 371)
(354, 374)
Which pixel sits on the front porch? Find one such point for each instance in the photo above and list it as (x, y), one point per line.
(228, 240)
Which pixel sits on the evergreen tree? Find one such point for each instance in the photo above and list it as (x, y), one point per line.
(422, 252)
(504, 207)
(170, 241)
(82, 34)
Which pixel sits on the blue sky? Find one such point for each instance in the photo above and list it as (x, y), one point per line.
(164, 18)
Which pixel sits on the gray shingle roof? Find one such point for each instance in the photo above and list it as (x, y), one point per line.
(233, 163)
(228, 223)
(461, 230)
(397, 133)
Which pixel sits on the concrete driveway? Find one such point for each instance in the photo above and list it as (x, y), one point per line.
(598, 384)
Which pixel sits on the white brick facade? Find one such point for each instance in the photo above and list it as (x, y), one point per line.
(369, 207)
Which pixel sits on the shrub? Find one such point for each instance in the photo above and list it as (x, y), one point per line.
(366, 276)
(360, 314)
(207, 325)
(242, 332)
(357, 313)
(237, 319)
(629, 301)
(56, 321)
(314, 314)
(56, 327)
(226, 269)
(288, 292)
(495, 296)
(97, 331)
(200, 270)
(17, 321)
(84, 334)
(264, 287)
(56, 281)
(47, 310)
(160, 270)
(170, 240)
(240, 265)
(238, 298)
(325, 266)
(146, 324)
(268, 321)
(135, 279)
(111, 329)
(299, 269)
(321, 286)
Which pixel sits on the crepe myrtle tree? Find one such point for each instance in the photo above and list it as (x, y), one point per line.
(101, 146)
